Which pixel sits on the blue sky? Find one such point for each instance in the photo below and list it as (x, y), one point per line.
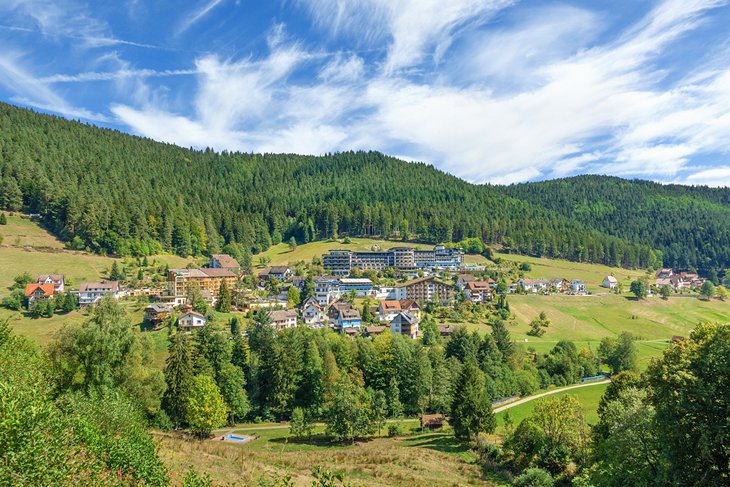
(496, 91)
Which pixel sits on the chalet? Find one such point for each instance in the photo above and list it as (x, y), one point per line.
(609, 282)
(388, 309)
(225, 261)
(334, 310)
(348, 318)
(463, 279)
(411, 306)
(667, 281)
(664, 273)
(282, 319)
(279, 272)
(207, 279)
(375, 330)
(477, 291)
(155, 313)
(312, 313)
(405, 324)
(298, 282)
(534, 285)
(351, 331)
(57, 280)
(39, 291)
(92, 292)
(426, 289)
(577, 286)
(191, 320)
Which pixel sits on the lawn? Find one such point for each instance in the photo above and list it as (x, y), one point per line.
(26, 247)
(587, 319)
(592, 274)
(422, 459)
(589, 397)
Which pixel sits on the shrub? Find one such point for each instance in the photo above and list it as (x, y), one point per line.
(535, 477)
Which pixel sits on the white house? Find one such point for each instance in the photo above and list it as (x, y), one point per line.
(405, 324)
(477, 291)
(312, 313)
(92, 292)
(283, 319)
(609, 282)
(56, 279)
(191, 321)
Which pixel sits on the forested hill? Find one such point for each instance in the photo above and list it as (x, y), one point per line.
(116, 193)
(689, 224)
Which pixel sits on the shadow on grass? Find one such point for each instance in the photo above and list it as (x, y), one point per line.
(317, 440)
(442, 442)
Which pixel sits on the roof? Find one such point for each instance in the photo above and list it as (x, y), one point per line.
(664, 282)
(409, 304)
(467, 277)
(47, 289)
(390, 305)
(52, 277)
(423, 279)
(407, 317)
(477, 286)
(610, 279)
(351, 330)
(159, 307)
(215, 272)
(192, 313)
(444, 329)
(355, 281)
(283, 315)
(349, 314)
(278, 269)
(108, 286)
(375, 329)
(225, 260)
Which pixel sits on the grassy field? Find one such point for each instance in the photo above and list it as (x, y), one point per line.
(589, 397)
(587, 319)
(26, 247)
(592, 274)
(281, 254)
(418, 459)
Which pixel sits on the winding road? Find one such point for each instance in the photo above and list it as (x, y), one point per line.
(543, 394)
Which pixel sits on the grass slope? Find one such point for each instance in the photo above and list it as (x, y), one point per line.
(589, 397)
(424, 459)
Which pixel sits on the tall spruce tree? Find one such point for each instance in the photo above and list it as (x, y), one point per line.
(471, 411)
(178, 377)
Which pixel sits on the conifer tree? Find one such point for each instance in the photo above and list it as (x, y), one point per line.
(471, 411)
(178, 377)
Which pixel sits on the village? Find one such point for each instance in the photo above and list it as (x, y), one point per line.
(355, 293)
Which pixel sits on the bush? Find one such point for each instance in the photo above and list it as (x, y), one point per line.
(535, 477)
(394, 429)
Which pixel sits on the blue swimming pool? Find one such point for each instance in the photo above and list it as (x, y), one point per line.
(236, 438)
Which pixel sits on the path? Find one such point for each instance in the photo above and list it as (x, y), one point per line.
(220, 433)
(543, 394)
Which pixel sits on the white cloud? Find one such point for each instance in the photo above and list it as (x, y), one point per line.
(544, 97)
(717, 177)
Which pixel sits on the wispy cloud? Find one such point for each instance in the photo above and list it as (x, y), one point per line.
(115, 75)
(195, 16)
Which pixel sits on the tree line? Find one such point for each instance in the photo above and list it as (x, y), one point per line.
(113, 193)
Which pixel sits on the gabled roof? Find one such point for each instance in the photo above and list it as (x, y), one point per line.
(278, 269)
(610, 279)
(477, 286)
(282, 315)
(106, 287)
(46, 289)
(349, 314)
(409, 304)
(216, 272)
(226, 260)
(192, 313)
(405, 317)
(50, 277)
(159, 307)
(467, 278)
(390, 305)
(375, 329)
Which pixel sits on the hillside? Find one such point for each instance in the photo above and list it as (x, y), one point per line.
(689, 225)
(125, 195)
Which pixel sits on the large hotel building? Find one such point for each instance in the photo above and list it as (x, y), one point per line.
(340, 262)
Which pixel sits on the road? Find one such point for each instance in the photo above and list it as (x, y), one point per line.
(499, 409)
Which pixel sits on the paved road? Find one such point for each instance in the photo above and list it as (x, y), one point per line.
(554, 391)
